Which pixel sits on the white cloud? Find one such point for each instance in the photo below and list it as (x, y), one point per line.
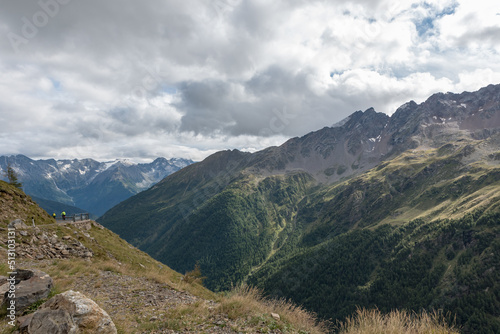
(184, 78)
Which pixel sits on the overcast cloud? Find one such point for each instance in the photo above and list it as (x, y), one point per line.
(129, 79)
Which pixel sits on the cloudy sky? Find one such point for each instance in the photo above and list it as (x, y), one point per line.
(185, 78)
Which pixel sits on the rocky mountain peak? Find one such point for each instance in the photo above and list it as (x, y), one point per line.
(86, 183)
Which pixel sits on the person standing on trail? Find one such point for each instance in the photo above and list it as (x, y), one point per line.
(63, 214)
(54, 215)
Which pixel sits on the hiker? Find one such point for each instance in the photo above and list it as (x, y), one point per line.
(54, 215)
(63, 215)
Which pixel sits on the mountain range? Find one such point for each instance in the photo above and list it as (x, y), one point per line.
(398, 211)
(86, 184)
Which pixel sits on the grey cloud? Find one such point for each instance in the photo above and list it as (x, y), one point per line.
(216, 63)
(281, 103)
(485, 36)
(277, 80)
(131, 122)
(205, 106)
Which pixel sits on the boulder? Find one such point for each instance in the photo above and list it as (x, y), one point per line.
(31, 286)
(70, 312)
(49, 321)
(18, 224)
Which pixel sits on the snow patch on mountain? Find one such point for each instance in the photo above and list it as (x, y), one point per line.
(87, 183)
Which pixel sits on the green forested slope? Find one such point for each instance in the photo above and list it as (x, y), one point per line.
(418, 230)
(451, 265)
(421, 231)
(235, 230)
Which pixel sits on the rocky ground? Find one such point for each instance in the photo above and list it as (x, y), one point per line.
(151, 305)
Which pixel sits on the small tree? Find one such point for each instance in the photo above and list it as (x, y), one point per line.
(12, 177)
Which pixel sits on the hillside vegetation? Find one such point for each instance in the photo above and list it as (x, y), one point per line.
(419, 232)
(143, 296)
(139, 293)
(15, 203)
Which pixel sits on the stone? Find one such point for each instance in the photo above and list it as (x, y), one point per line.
(85, 226)
(71, 312)
(43, 238)
(275, 316)
(23, 322)
(31, 286)
(51, 321)
(96, 224)
(3, 290)
(18, 224)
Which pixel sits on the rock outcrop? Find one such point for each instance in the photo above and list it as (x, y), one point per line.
(68, 312)
(30, 287)
(38, 244)
(17, 224)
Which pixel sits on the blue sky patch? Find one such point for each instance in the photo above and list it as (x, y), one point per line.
(425, 26)
(56, 84)
(169, 89)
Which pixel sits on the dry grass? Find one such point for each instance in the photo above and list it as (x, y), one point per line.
(244, 309)
(396, 322)
(246, 301)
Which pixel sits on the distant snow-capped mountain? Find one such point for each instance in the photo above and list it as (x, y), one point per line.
(86, 183)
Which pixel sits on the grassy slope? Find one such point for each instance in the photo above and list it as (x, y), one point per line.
(15, 203)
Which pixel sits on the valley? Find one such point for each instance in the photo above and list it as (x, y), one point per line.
(393, 212)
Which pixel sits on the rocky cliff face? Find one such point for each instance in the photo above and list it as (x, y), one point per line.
(445, 117)
(331, 153)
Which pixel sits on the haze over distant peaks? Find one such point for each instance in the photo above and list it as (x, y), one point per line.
(86, 183)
